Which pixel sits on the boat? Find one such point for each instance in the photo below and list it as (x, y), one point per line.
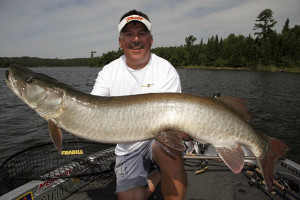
(85, 170)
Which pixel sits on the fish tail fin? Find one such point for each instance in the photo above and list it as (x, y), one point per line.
(267, 161)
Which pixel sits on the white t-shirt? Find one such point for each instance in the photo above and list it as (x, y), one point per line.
(117, 79)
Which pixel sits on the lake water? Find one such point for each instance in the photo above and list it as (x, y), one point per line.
(273, 99)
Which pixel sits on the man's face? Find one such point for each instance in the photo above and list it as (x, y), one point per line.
(136, 42)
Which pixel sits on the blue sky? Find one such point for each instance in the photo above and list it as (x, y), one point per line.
(74, 28)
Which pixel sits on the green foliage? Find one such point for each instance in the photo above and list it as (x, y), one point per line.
(189, 41)
(265, 23)
(266, 52)
(42, 62)
(286, 26)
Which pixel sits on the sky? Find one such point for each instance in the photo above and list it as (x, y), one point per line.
(74, 28)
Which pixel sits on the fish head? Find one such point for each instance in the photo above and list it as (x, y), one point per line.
(38, 91)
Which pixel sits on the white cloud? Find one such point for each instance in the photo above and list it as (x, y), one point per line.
(72, 28)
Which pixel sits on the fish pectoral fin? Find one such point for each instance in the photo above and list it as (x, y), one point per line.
(55, 134)
(171, 139)
(237, 105)
(233, 157)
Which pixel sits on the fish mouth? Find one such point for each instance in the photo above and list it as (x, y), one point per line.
(12, 84)
(9, 79)
(7, 75)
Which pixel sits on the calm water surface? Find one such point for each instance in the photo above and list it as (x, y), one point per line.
(273, 99)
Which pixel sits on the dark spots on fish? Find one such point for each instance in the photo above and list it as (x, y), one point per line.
(242, 191)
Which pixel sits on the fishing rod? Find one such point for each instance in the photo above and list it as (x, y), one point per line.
(283, 188)
(190, 156)
(256, 180)
(252, 166)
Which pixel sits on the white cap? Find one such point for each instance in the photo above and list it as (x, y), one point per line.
(131, 18)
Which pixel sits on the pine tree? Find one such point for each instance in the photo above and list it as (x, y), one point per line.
(266, 23)
(286, 26)
(189, 41)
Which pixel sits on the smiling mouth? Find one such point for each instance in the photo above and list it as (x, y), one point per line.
(136, 46)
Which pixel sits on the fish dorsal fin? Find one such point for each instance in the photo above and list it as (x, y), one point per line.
(171, 139)
(55, 134)
(238, 105)
(233, 157)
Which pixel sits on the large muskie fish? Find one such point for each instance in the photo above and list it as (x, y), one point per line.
(142, 117)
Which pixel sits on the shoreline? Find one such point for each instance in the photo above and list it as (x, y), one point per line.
(260, 69)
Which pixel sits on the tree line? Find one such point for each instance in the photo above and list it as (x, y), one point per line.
(268, 48)
(43, 62)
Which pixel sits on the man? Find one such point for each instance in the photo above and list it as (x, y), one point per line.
(139, 71)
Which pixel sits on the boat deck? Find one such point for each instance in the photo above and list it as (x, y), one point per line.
(217, 182)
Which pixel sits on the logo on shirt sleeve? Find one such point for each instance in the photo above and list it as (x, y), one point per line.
(148, 85)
